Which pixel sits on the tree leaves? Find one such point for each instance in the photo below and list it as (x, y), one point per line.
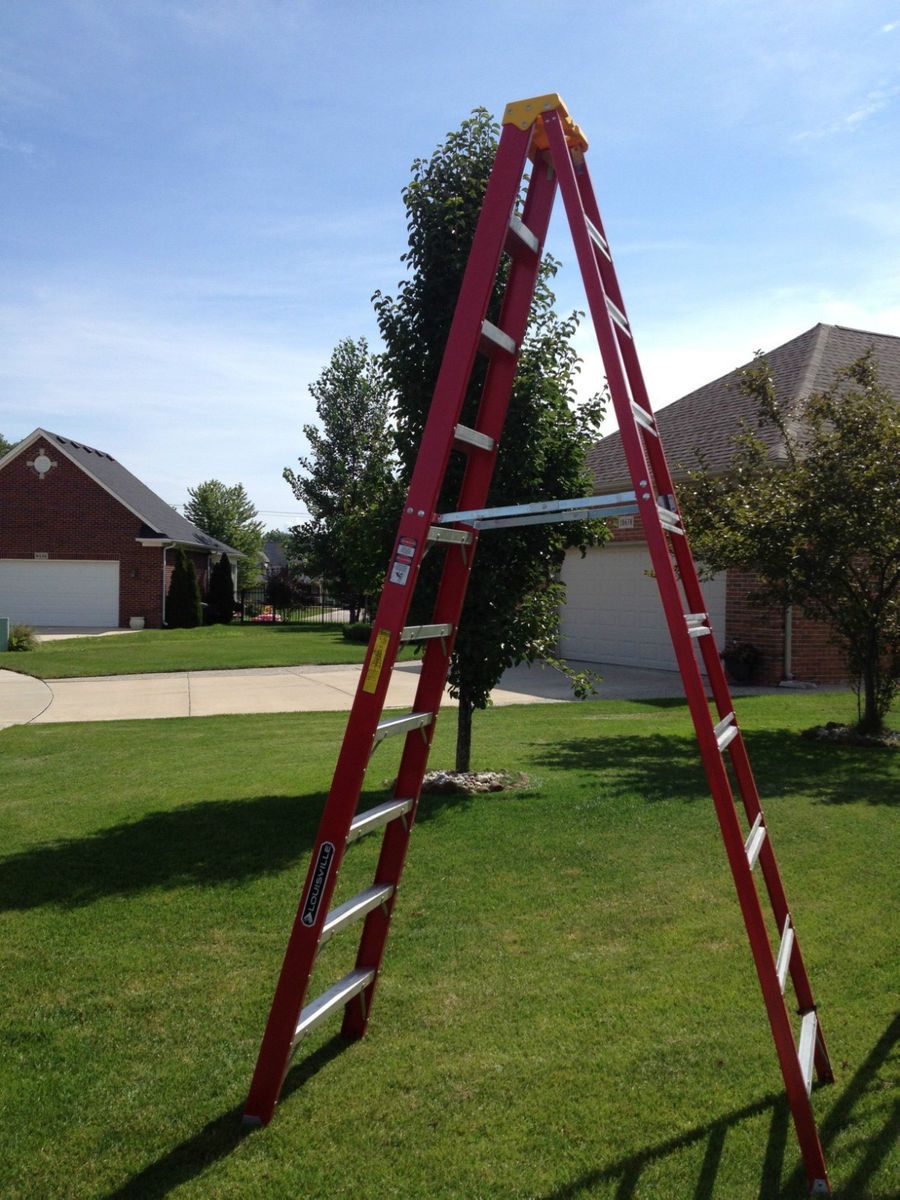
(819, 527)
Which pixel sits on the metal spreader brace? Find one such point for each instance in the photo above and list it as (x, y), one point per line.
(540, 130)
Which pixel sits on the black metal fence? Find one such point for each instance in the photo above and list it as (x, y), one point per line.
(256, 608)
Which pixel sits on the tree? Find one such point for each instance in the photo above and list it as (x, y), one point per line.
(5, 446)
(227, 513)
(347, 481)
(511, 611)
(221, 592)
(819, 526)
(183, 608)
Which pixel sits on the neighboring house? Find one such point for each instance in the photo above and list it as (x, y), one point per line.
(613, 612)
(273, 559)
(83, 542)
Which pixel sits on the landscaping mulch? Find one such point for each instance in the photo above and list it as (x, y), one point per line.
(846, 735)
(469, 783)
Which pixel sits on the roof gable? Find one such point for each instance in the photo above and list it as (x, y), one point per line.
(709, 417)
(159, 520)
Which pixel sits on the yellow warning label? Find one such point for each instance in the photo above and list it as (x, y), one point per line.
(376, 662)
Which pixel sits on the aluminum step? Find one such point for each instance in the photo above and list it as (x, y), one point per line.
(598, 239)
(806, 1051)
(519, 237)
(783, 963)
(463, 435)
(696, 624)
(397, 725)
(726, 731)
(376, 818)
(670, 521)
(330, 1001)
(355, 909)
(644, 418)
(754, 841)
(421, 633)
(494, 339)
(618, 317)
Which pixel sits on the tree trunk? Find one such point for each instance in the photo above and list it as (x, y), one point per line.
(464, 730)
(871, 721)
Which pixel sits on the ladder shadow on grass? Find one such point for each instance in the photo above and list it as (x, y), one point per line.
(662, 766)
(216, 1140)
(867, 1155)
(205, 844)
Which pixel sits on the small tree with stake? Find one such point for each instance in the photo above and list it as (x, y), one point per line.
(183, 607)
(511, 610)
(820, 527)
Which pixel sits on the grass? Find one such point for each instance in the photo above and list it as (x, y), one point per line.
(568, 1008)
(211, 648)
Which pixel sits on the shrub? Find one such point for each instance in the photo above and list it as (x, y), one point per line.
(358, 631)
(221, 593)
(23, 637)
(183, 609)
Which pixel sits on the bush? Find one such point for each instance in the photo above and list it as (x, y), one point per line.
(183, 610)
(221, 593)
(359, 631)
(23, 637)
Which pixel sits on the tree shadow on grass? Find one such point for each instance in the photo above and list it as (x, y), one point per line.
(869, 1152)
(197, 845)
(667, 766)
(217, 1139)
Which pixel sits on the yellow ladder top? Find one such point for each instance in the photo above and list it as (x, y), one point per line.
(525, 113)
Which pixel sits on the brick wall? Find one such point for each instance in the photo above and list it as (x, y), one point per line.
(814, 658)
(68, 516)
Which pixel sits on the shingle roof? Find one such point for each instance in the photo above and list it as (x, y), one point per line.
(159, 519)
(708, 418)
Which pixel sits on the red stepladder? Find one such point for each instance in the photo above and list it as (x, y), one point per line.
(538, 131)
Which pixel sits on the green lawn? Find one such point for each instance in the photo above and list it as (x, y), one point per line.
(211, 648)
(568, 1009)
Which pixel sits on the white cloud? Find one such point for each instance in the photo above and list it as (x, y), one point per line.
(15, 146)
(177, 402)
(874, 102)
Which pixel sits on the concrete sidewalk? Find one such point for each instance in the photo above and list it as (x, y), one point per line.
(24, 700)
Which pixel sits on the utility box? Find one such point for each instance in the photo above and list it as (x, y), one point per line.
(4, 634)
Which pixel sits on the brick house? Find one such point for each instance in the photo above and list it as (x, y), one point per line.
(83, 542)
(613, 613)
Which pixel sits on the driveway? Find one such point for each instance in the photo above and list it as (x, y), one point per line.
(24, 700)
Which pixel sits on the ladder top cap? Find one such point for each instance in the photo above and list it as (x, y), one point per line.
(525, 113)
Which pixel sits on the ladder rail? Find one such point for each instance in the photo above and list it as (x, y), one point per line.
(437, 442)
(650, 477)
(452, 587)
(690, 583)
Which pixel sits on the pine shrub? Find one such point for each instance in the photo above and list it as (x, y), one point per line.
(221, 593)
(183, 608)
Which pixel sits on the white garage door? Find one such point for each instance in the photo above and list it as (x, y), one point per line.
(58, 592)
(613, 612)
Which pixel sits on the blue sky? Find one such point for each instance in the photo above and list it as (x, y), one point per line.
(198, 199)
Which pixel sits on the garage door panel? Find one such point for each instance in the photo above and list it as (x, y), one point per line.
(613, 612)
(60, 592)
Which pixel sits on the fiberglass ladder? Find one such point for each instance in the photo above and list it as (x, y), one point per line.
(541, 130)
